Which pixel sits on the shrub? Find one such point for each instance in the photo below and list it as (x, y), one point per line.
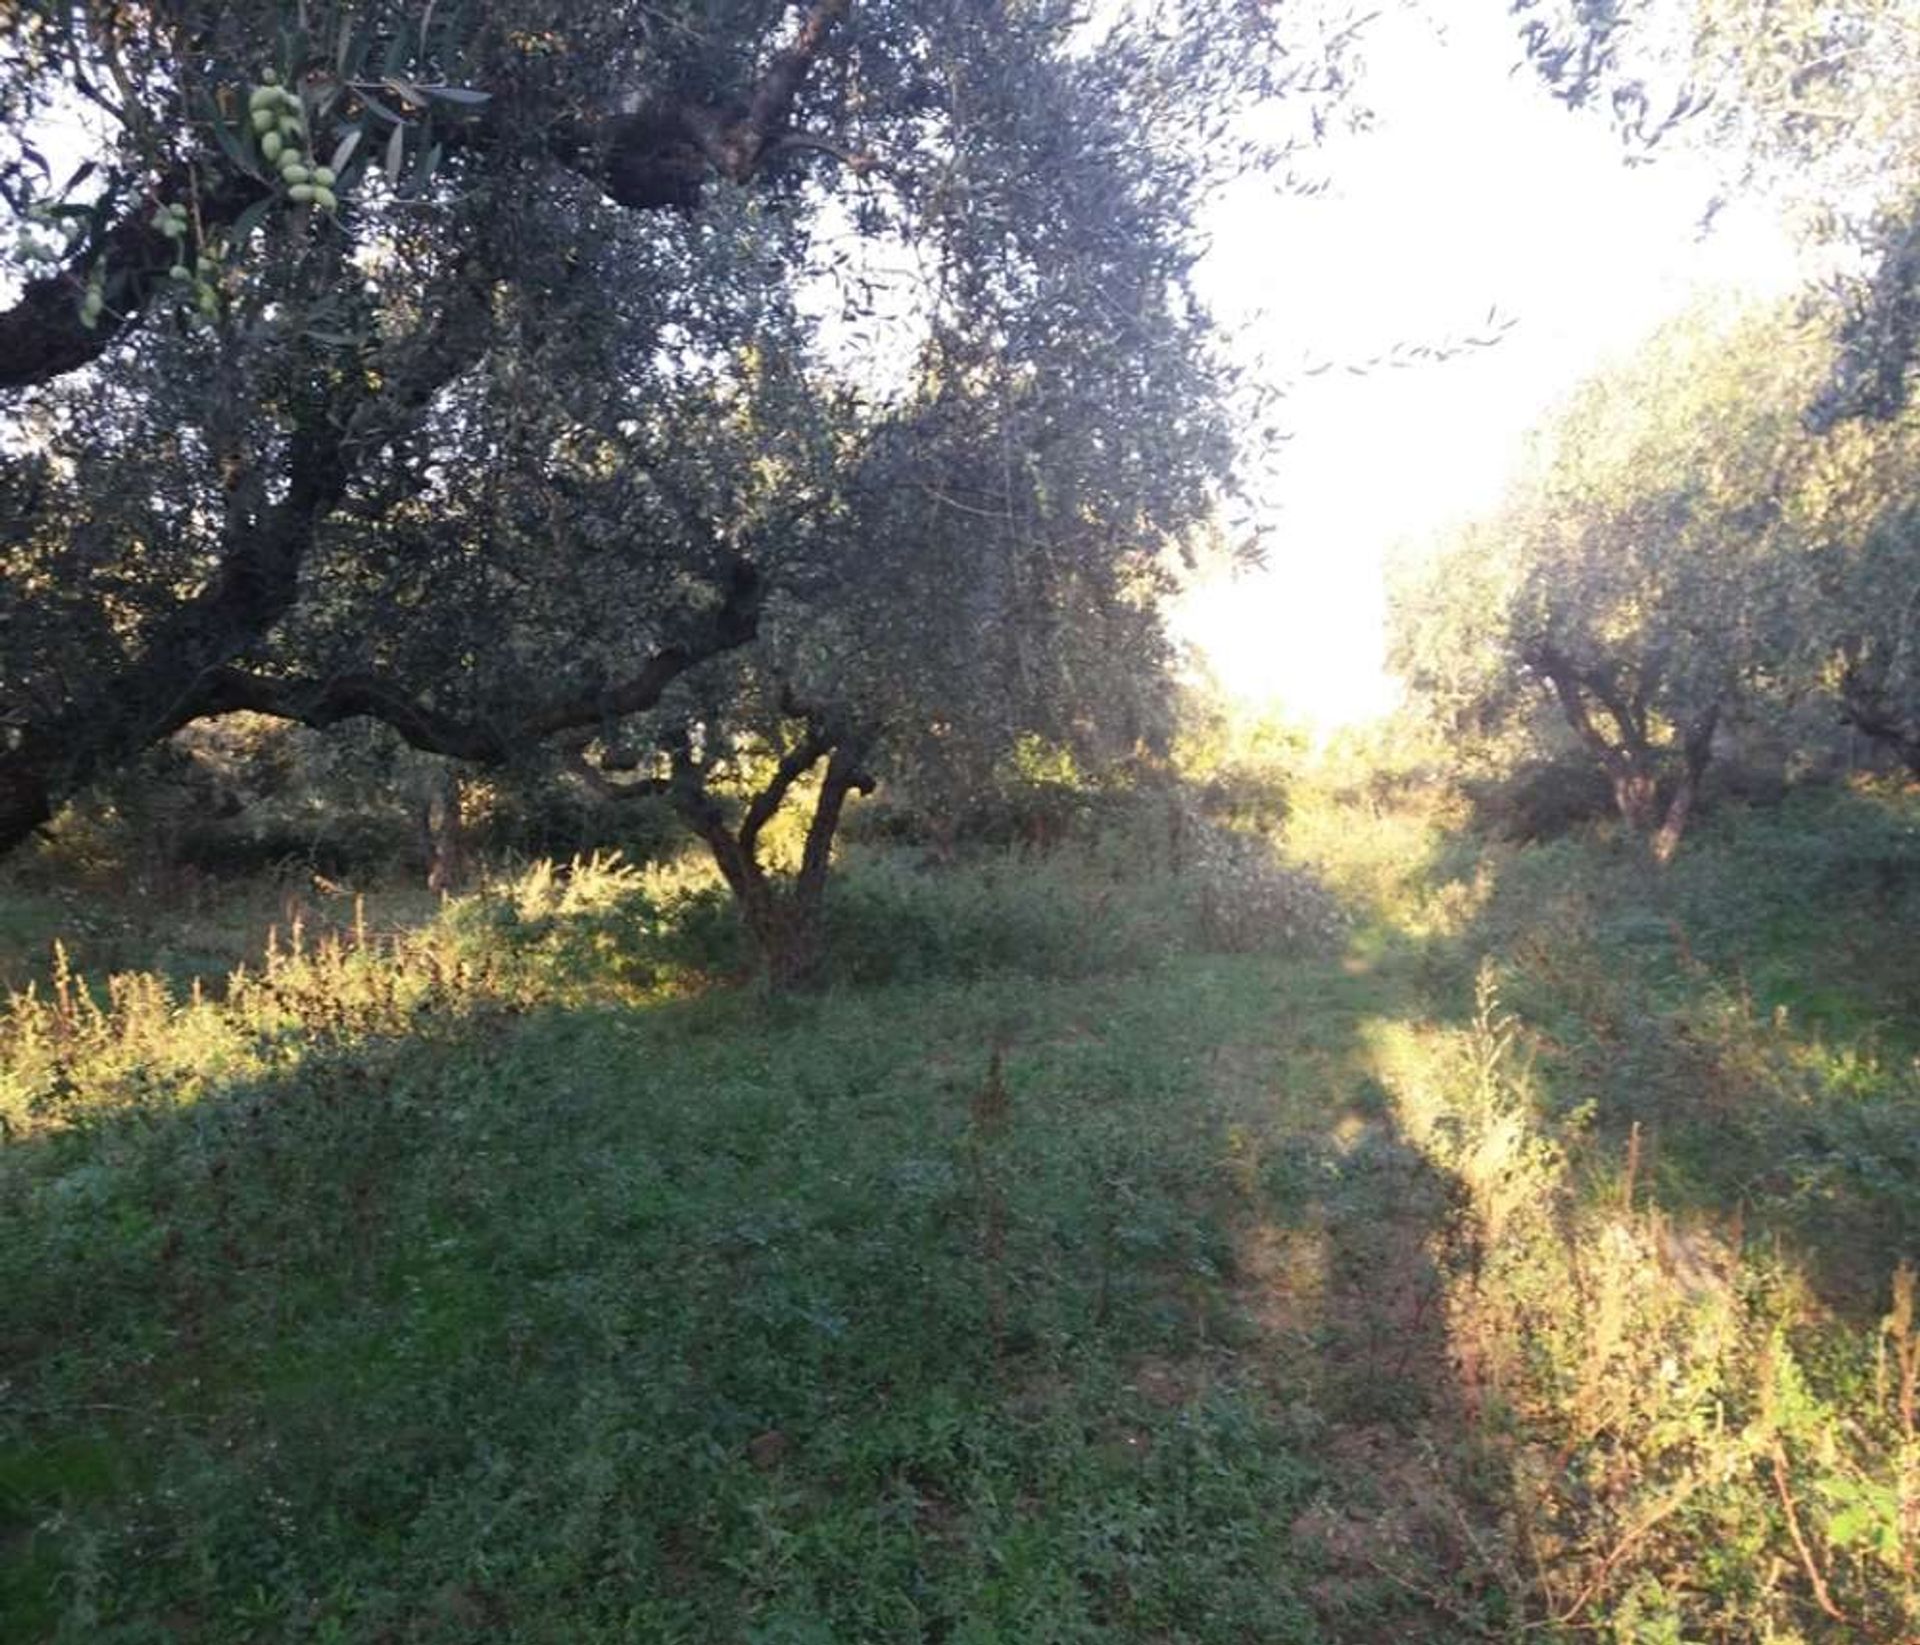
(1246, 898)
(1541, 799)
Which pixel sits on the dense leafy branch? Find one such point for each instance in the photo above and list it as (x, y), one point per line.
(506, 410)
(660, 156)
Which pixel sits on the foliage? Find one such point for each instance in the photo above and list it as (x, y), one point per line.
(1688, 559)
(1239, 763)
(571, 408)
(1799, 101)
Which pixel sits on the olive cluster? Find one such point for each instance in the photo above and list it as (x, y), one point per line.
(95, 298)
(39, 255)
(170, 220)
(280, 127)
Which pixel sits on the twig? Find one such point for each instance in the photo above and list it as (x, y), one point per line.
(1821, 1596)
(1676, 1499)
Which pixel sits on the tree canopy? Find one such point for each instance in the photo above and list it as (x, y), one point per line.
(1804, 101)
(1684, 550)
(495, 370)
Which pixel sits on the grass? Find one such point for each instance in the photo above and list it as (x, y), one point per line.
(1470, 1276)
(678, 1327)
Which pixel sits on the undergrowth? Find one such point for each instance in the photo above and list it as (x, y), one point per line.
(1520, 1247)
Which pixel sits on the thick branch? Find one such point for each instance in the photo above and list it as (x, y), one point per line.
(1696, 750)
(845, 774)
(325, 703)
(661, 155)
(687, 790)
(1866, 706)
(797, 762)
(1568, 683)
(729, 626)
(493, 740)
(772, 102)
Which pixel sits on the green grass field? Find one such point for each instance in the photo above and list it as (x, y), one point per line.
(1521, 1263)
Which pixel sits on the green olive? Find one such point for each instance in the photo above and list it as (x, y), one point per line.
(325, 199)
(271, 143)
(301, 193)
(264, 97)
(323, 176)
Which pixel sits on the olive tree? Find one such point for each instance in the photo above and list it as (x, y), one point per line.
(480, 367)
(1655, 572)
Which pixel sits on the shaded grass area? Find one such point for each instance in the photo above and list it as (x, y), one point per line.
(1753, 1013)
(685, 1324)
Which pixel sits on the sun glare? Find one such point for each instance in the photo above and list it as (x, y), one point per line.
(1475, 204)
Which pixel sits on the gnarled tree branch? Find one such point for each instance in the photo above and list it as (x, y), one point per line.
(495, 739)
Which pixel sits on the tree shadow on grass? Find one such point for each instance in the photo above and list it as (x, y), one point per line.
(691, 1323)
(1345, 1269)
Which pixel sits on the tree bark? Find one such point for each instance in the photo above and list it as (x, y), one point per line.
(443, 833)
(784, 922)
(1628, 753)
(1636, 792)
(26, 796)
(1695, 751)
(1866, 705)
(800, 963)
(124, 713)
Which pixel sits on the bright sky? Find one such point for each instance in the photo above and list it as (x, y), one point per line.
(1473, 190)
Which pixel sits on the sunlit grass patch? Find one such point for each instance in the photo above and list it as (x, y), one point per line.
(74, 1047)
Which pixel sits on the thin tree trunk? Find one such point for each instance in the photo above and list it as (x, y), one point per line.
(1666, 838)
(799, 962)
(26, 797)
(1696, 750)
(785, 922)
(1636, 795)
(443, 833)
